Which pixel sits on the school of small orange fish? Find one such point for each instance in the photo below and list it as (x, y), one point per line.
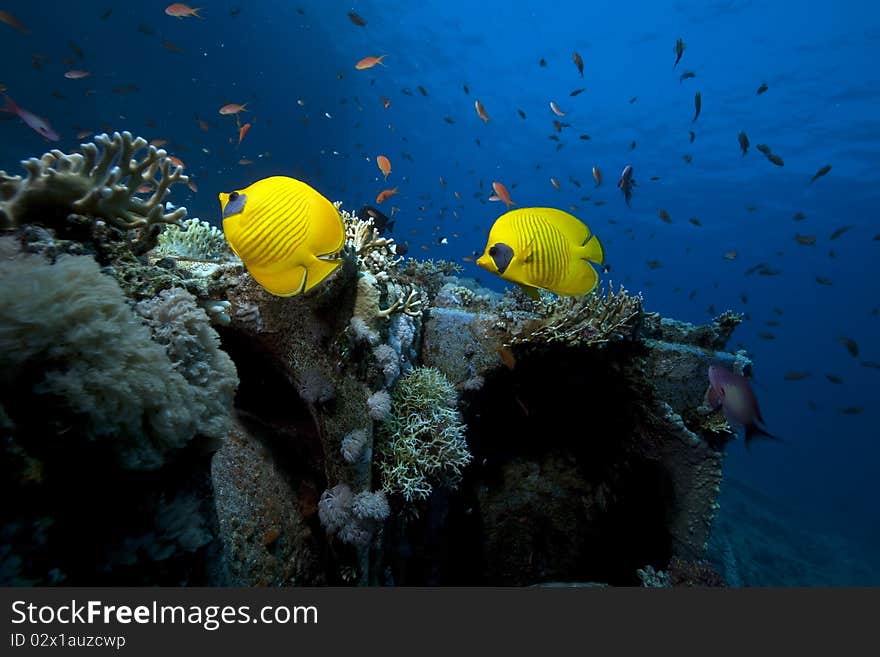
(231, 113)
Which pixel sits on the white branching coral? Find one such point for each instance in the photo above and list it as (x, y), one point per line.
(369, 300)
(101, 182)
(194, 240)
(424, 436)
(408, 307)
(374, 254)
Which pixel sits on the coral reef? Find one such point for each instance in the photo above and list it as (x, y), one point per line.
(100, 403)
(74, 342)
(102, 182)
(423, 439)
(395, 425)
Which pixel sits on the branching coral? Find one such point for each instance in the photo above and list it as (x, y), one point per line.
(589, 320)
(99, 183)
(369, 299)
(374, 254)
(194, 240)
(409, 307)
(424, 437)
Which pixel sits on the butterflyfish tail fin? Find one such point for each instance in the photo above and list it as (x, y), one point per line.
(592, 250)
(284, 283)
(319, 270)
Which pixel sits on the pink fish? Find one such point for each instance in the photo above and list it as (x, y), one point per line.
(733, 393)
(39, 124)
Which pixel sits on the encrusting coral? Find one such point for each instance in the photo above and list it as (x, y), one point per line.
(101, 182)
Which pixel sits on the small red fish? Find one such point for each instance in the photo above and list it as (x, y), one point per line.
(385, 194)
(369, 62)
(180, 10)
(233, 108)
(501, 194)
(176, 161)
(242, 131)
(37, 123)
(733, 393)
(384, 165)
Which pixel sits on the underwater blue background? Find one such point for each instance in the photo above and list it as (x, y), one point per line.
(817, 58)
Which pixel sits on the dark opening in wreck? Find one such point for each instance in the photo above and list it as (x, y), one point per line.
(268, 477)
(565, 486)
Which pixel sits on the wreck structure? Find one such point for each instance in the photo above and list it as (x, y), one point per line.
(166, 421)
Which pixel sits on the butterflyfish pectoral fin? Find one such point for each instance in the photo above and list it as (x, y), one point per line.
(286, 282)
(319, 270)
(531, 292)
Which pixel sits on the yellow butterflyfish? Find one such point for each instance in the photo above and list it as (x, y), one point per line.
(288, 235)
(543, 248)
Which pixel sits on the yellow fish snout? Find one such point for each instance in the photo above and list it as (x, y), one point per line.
(486, 262)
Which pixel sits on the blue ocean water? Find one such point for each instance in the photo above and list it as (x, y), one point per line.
(314, 116)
